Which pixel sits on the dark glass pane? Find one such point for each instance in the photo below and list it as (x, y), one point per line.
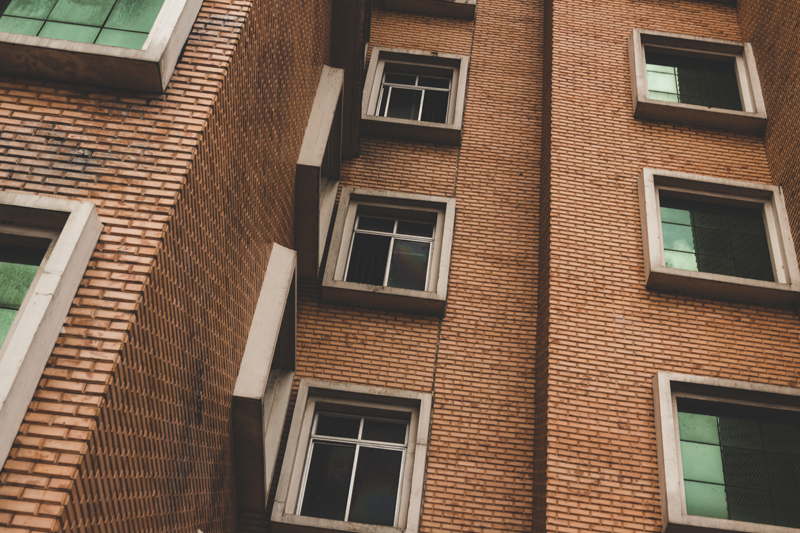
(420, 229)
(122, 39)
(368, 259)
(434, 108)
(760, 271)
(375, 487)
(404, 103)
(402, 79)
(787, 510)
(709, 216)
(35, 9)
(784, 472)
(749, 505)
(328, 481)
(740, 433)
(750, 247)
(781, 438)
(409, 268)
(429, 81)
(385, 225)
(338, 426)
(88, 12)
(745, 468)
(701, 81)
(69, 32)
(385, 431)
(134, 15)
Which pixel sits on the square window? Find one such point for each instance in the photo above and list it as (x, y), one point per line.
(694, 80)
(415, 95)
(390, 250)
(45, 246)
(729, 454)
(131, 44)
(355, 460)
(717, 238)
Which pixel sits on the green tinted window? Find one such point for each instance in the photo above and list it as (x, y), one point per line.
(18, 266)
(122, 23)
(739, 463)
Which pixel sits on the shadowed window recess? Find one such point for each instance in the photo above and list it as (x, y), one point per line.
(414, 97)
(353, 469)
(122, 23)
(18, 267)
(391, 252)
(692, 80)
(715, 238)
(740, 463)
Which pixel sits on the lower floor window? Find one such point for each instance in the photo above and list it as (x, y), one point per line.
(740, 463)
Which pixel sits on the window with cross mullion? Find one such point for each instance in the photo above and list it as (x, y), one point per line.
(414, 97)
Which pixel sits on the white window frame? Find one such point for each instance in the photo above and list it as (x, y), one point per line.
(314, 396)
(753, 118)
(148, 69)
(783, 292)
(264, 383)
(463, 9)
(354, 201)
(667, 387)
(33, 334)
(383, 59)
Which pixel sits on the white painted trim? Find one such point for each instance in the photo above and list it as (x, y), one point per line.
(30, 342)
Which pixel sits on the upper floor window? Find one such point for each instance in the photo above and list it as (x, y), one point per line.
(414, 96)
(699, 81)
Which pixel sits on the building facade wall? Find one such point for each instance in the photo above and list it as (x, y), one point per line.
(130, 427)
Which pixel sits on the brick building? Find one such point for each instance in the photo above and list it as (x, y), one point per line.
(399, 265)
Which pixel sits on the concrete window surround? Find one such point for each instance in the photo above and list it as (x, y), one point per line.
(782, 293)
(752, 120)
(264, 383)
(317, 172)
(667, 387)
(74, 228)
(354, 399)
(430, 301)
(464, 9)
(452, 65)
(148, 69)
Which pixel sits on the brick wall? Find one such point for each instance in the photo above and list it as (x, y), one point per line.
(129, 429)
(607, 334)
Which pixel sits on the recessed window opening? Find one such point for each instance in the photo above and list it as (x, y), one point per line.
(122, 23)
(716, 238)
(414, 96)
(692, 79)
(353, 469)
(391, 252)
(740, 462)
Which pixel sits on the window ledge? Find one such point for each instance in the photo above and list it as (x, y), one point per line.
(412, 130)
(147, 70)
(464, 9)
(388, 298)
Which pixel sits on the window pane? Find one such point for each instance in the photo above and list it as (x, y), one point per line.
(69, 32)
(385, 225)
(419, 229)
(15, 280)
(698, 428)
(749, 505)
(20, 26)
(404, 103)
(781, 438)
(134, 15)
(664, 97)
(745, 468)
(435, 106)
(409, 268)
(704, 499)
(702, 462)
(6, 318)
(701, 81)
(677, 237)
(430, 81)
(123, 39)
(674, 214)
(660, 82)
(740, 433)
(375, 487)
(682, 260)
(328, 481)
(385, 431)
(787, 510)
(35, 9)
(338, 426)
(89, 12)
(368, 259)
(403, 79)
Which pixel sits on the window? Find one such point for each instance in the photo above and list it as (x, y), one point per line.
(390, 250)
(464, 9)
(131, 44)
(415, 95)
(355, 460)
(45, 246)
(717, 238)
(694, 80)
(728, 454)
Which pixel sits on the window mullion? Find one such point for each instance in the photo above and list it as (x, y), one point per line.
(388, 263)
(352, 481)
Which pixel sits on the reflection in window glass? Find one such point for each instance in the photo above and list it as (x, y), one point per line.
(122, 23)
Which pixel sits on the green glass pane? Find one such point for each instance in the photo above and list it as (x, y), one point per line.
(69, 32)
(134, 15)
(698, 428)
(660, 68)
(88, 12)
(35, 9)
(702, 462)
(682, 260)
(703, 499)
(15, 280)
(20, 26)
(663, 83)
(677, 237)
(676, 216)
(6, 318)
(123, 39)
(663, 97)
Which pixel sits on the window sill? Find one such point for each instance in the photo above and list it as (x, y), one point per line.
(290, 523)
(387, 298)
(463, 9)
(724, 119)
(412, 130)
(147, 70)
